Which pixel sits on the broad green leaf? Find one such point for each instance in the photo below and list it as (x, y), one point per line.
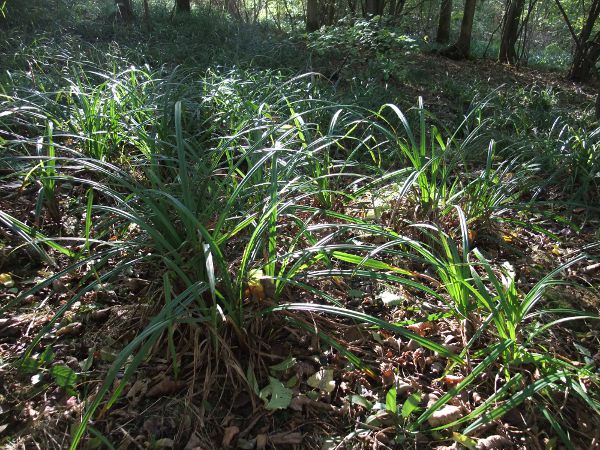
(284, 365)
(322, 380)
(390, 401)
(411, 404)
(361, 401)
(276, 395)
(64, 376)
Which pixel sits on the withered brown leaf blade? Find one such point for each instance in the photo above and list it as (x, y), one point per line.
(165, 387)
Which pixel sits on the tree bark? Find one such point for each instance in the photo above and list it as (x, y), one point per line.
(233, 8)
(588, 48)
(585, 60)
(398, 8)
(443, 31)
(147, 19)
(374, 7)
(466, 28)
(124, 10)
(510, 31)
(312, 15)
(462, 47)
(183, 6)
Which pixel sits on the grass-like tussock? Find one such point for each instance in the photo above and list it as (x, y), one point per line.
(252, 201)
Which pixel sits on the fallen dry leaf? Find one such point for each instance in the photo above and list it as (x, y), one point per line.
(137, 392)
(165, 387)
(73, 328)
(6, 280)
(299, 402)
(453, 380)
(194, 442)
(164, 443)
(261, 441)
(228, 434)
(323, 380)
(294, 438)
(421, 328)
(100, 314)
(494, 442)
(446, 415)
(10, 327)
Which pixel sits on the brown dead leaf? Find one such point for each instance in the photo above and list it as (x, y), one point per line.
(299, 402)
(194, 442)
(261, 441)
(59, 286)
(72, 329)
(446, 415)
(494, 442)
(137, 392)
(166, 386)
(135, 284)
(164, 443)
(10, 327)
(387, 374)
(421, 328)
(294, 438)
(228, 434)
(100, 314)
(452, 380)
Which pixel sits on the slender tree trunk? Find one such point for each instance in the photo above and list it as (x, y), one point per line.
(585, 59)
(462, 47)
(399, 7)
(598, 106)
(330, 13)
(352, 6)
(371, 8)
(374, 7)
(233, 8)
(510, 31)
(124, 10)
(183, 5)
(466, 28)
(312, 15)
(588, 48)
(147, 18)
(443, 31)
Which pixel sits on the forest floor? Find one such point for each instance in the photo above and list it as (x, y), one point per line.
(192, 404)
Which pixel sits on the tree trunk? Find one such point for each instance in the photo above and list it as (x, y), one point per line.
(330, 13)
(147, 19)
(510, 31)
(124, 10)
(443, 31)
(466, 28)
(585, 60)
(352, 6)
(374, 7)
(183, 6)
(462, 47)
(588, 49)
(598, 106)
(233, 8)
(399, 7)
(312, 15)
